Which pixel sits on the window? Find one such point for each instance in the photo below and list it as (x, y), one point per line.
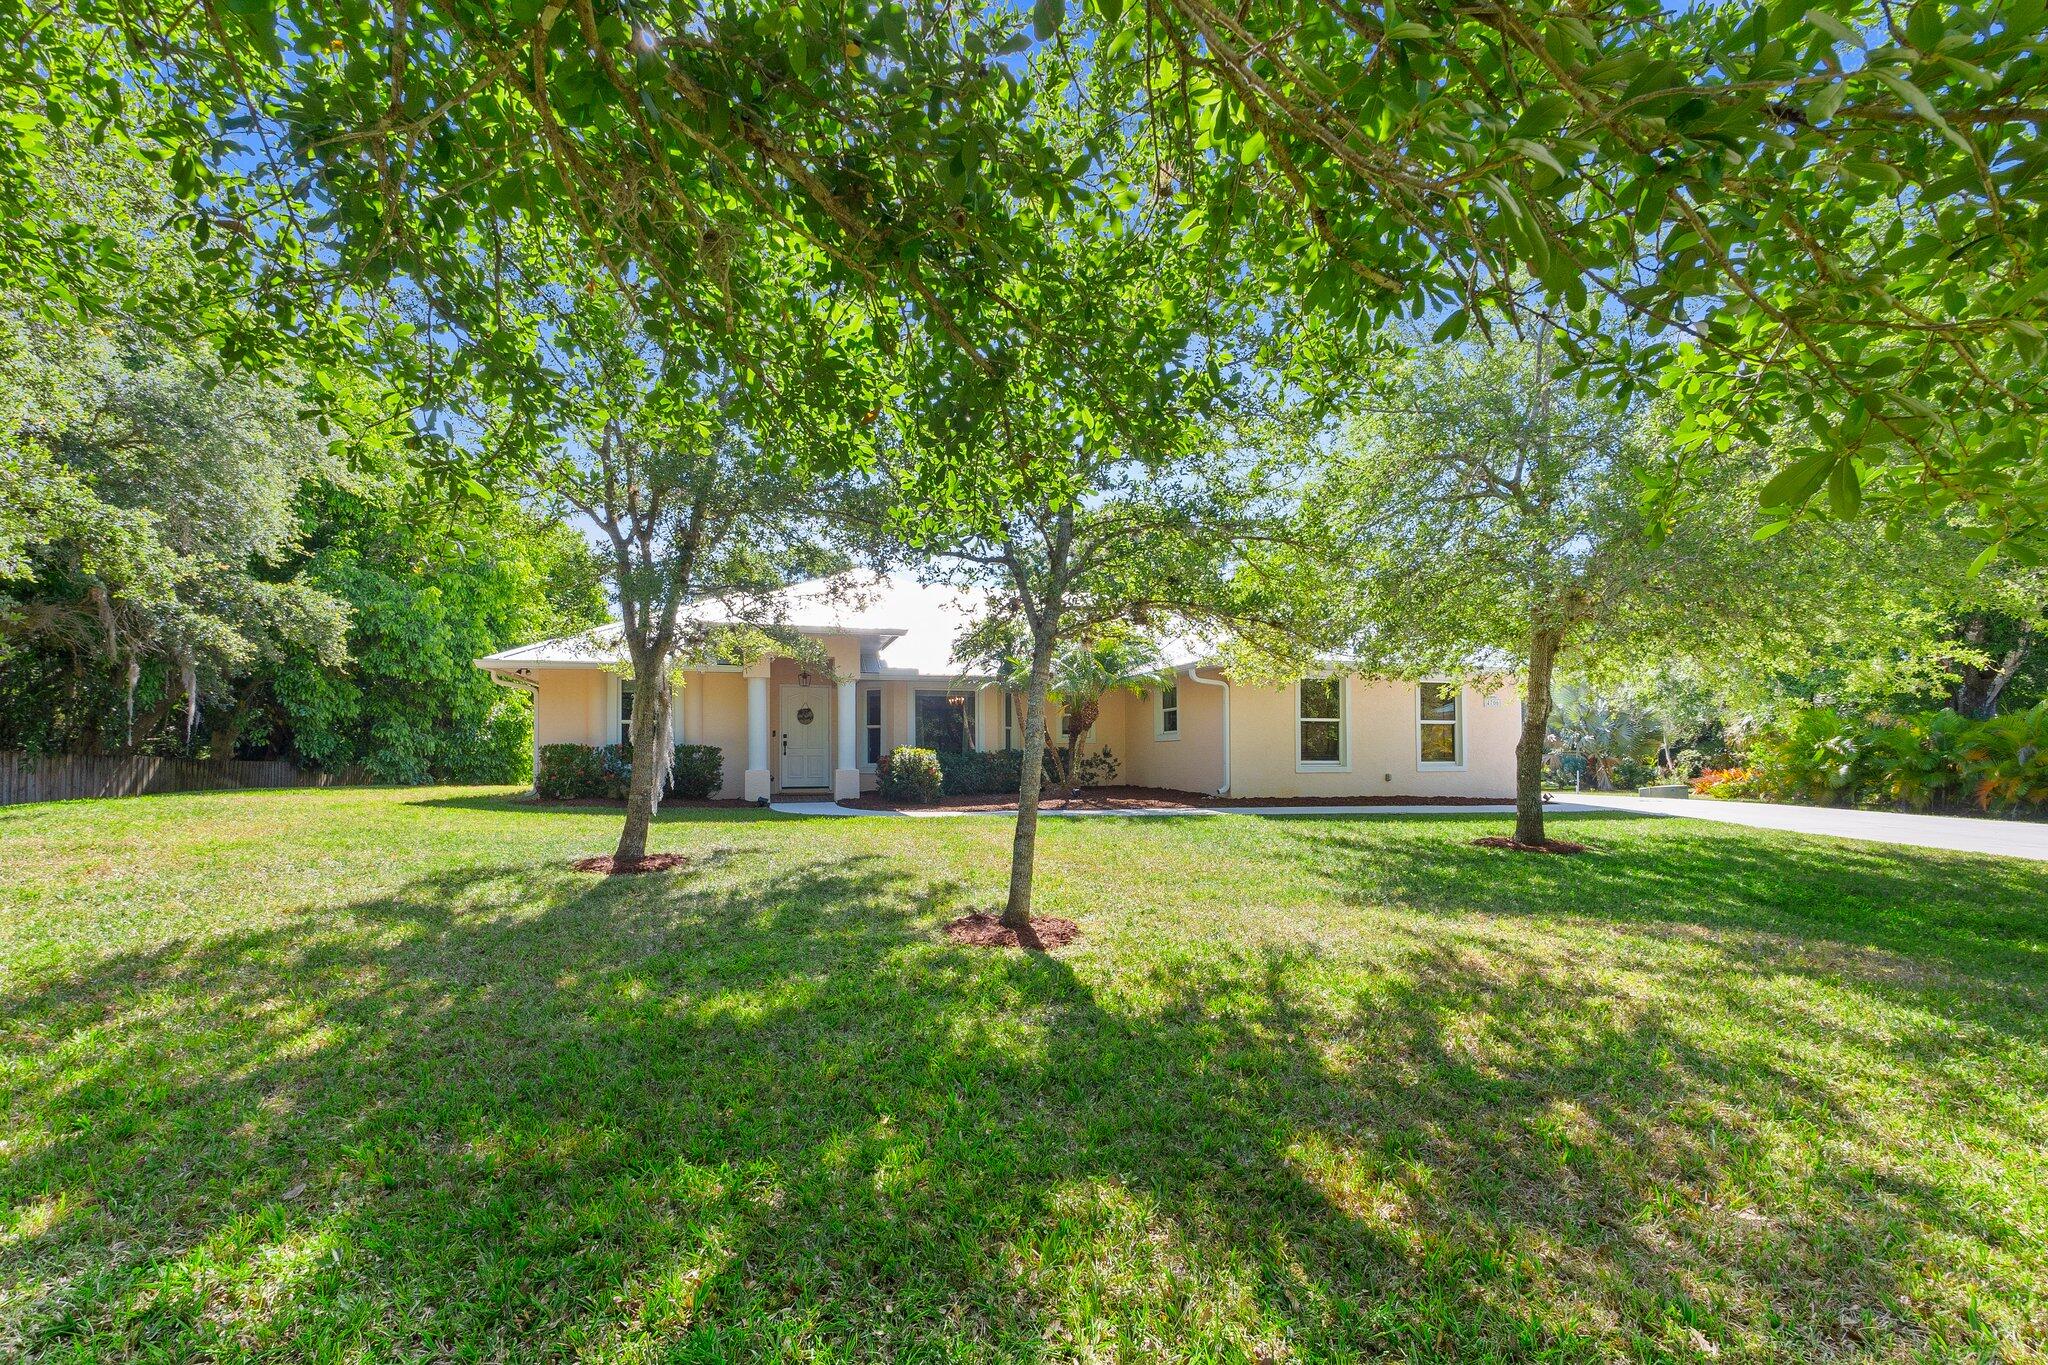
(1166, 712)
(1438, 743)
(944, 721)
(1319, 718)
(871, 726)
(1010, 702)
(625, 713)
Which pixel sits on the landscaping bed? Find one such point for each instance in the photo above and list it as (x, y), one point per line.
(1165, 798)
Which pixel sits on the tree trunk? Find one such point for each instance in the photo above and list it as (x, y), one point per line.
(1024, 843)
(1543, 642)
(651, 758)
(1978, 689)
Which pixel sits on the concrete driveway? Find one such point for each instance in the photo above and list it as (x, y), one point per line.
(2008, 838)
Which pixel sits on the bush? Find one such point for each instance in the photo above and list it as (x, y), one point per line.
(574, 772)
(699, 771)
(912, 776)
(1630, 773)
(1933, 758)
(570, 772)
(1728, 784)
(998, 772)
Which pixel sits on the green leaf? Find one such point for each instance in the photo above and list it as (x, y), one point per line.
(1792, 487)
(1046, 18)
(1833, 27)
(1845, 489)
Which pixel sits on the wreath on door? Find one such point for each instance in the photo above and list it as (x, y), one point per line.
(804, 715)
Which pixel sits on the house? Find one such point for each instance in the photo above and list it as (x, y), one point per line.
(789, 725)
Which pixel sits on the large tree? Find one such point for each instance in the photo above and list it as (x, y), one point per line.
(630, 419)
(1480, 513)
(1825, 210)
(1083, 470)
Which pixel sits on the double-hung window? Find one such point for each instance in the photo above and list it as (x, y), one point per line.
(1319, 723)
(1166, 712)
(1439, 722)
(870, 726)
(626, 713)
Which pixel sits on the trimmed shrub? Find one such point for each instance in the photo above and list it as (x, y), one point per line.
(912, 776)
(573, 772)
(699, 771)
(570, 772)
(998, 772)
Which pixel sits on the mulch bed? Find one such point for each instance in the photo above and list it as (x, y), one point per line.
(1164, 798)
(988, 931)
(653, 862)
(1547, 846)
(667, 802)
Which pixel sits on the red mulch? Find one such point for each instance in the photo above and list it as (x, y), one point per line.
(1164, 798)
(667, 802)
(1547, 846)
(988, 931)
(653, 862)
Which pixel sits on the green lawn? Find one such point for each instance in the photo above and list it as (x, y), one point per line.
(361, 1075)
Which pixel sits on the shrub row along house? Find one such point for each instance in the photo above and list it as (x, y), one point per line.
(808, 728)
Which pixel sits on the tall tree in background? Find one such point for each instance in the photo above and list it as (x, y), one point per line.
(1480, 512)
(1081, 470)
(632, 421)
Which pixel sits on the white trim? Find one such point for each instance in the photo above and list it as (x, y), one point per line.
(1194, 675)
(1343, 763)
(1159, 709)
(1456, 722)
(620, 682)
(861, 693)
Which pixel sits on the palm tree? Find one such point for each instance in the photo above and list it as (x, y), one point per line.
(1084, 673)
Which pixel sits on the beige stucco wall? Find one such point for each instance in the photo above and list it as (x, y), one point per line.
(1194, 761)
(570, 705)
(1380, 740)
(575, 706)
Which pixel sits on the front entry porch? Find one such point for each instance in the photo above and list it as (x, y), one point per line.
(803, 738)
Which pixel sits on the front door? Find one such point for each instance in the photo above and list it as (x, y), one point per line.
(806, 736)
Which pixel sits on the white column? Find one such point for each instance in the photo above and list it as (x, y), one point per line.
(754, 787)
(846, 777)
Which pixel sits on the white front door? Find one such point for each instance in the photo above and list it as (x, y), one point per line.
(806, 736)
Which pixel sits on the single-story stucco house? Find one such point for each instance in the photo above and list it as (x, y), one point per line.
(789, 727)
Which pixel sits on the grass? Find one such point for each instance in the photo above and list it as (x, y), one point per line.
(357, 1075)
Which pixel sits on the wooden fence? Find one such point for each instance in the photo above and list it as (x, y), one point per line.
(69, 777)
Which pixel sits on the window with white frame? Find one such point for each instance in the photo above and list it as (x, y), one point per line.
(870, 726)
(1166, 712)
(1010, 700)
(1439, 716)
(1319, 723)
(625, 713)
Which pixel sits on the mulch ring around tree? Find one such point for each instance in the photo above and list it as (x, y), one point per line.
(653, 862)
(980, 930)
(1547, 846)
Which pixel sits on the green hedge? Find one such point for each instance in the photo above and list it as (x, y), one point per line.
(570, 772)
(910, 775)
(995, 772)
(1932, 758)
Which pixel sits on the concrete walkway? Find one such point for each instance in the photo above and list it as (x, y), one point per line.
(1960, 834)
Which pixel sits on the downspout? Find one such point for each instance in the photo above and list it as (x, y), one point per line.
(531, 689)
(1195, 675)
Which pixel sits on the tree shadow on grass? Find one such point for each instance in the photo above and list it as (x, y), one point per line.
(766, 1110)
